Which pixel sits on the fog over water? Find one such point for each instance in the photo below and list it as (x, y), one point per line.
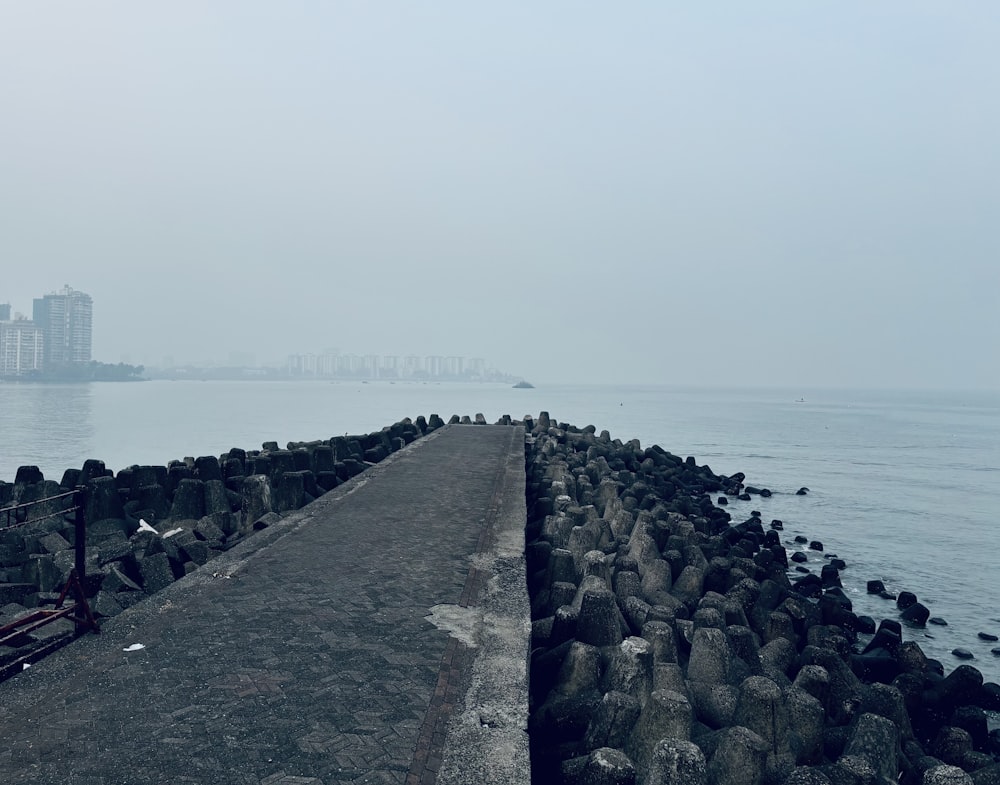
(798, 194)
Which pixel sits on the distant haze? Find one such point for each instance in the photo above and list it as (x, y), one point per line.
(785, 193)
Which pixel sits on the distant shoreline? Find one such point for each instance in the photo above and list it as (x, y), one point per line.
(20, 380)
(209, 378)
(235, 377)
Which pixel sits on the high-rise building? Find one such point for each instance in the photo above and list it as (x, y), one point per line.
(66, 321)
(454, 366)
(4, 312)
(21, 347)
(434, 365)
(413, 365)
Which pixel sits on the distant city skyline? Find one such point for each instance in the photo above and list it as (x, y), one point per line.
(334, 363)
(58, 335)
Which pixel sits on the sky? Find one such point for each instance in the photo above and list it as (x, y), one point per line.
(769, 194)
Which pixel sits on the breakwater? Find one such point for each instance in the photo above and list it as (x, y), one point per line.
(673, 645)
(670, 644)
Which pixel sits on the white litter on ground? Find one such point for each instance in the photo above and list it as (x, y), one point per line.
(172, 532)
(145, 527)
(134, 647)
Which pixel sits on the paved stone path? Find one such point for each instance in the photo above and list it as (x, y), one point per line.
(307, 655)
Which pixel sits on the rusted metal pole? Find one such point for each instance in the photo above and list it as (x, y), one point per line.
(80, 533)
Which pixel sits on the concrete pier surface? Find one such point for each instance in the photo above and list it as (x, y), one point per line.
(379, 635)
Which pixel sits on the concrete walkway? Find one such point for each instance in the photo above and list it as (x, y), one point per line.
(379, 635)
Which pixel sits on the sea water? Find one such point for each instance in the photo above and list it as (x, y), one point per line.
(901, 484)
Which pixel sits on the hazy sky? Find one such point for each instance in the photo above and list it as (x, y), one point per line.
(788, 193)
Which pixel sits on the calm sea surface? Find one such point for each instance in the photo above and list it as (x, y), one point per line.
(902, 485)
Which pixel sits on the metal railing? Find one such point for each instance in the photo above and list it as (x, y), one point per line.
(20, 515)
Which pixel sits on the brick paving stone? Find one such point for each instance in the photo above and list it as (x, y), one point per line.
(302, 657)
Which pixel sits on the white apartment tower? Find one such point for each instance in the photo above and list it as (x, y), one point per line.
(66, 321)
(21, 347)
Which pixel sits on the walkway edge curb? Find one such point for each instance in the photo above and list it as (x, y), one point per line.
(487, 737)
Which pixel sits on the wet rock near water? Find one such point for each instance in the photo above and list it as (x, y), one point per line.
(672, 645)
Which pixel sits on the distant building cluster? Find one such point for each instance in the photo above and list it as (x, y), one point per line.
(58, 334)
(335, 365)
